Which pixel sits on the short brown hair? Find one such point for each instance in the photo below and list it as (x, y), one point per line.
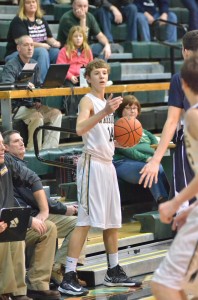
(190, 40)
(189, 72)
(128, 100)
(96, 64)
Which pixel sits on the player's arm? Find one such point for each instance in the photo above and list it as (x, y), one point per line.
(168, 209)
(87, 119)
(150, 170)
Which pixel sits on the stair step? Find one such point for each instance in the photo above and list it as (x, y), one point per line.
(134, 260)
(129, 234)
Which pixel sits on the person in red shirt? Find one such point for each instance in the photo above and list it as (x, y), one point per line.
(77, 53)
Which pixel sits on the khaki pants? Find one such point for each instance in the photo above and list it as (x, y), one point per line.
(41, 256)
(12, 268)
(35, 118)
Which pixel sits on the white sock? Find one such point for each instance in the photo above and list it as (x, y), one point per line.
(71, 264)
(112, 260)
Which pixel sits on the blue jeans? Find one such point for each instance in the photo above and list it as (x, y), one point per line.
(43, 57)
(96, 49)
(129, 170)
(144, 29)
(105, 18)
(192, 6)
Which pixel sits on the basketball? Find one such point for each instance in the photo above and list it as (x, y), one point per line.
(128, 131)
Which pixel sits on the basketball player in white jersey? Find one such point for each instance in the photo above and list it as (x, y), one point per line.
(98, 192)
(177, 275)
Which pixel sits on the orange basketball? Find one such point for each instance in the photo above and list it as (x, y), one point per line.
(128, 131)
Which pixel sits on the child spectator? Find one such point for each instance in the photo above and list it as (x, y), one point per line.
(77, 53)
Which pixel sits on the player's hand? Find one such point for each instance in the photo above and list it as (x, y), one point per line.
(113, 104)
(149, 173)
(38, 226)
(180, 220)
(117, 145)
(167, 211)
(3, 226)
(72, 210)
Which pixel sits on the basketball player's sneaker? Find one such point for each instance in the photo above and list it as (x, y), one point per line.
(117, 277)
(71, 286)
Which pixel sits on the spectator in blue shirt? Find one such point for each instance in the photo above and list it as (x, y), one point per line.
(192, 6)
(148, 12)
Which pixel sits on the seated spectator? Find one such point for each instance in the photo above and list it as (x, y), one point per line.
(79, 16)
(12, 255)
(77, 53)
(148, 12)
(30, 110)
(63, 216)
(129, 161)
(115, 11)
(30, 21)
(192, 6)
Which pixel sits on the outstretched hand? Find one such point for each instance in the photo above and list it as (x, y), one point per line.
(112, 104)
(149, 173)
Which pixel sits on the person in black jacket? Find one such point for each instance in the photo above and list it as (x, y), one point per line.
(61, 215)
(115, 11)
(12, 255)
(30, 110)
(148, 12)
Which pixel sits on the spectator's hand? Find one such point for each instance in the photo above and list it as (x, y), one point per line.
(56, 44)
(37, 105)
(112, 104)
(149, 173)
(42, 215)
(72, 210)
(149, 17)
(164, 17)
(74, 79)
(107, 51)
(80, 13)
(38, 226)
(3, 226)
(117, 14)
(45, 45)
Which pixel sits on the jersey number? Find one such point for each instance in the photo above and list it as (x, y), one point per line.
(111, 134)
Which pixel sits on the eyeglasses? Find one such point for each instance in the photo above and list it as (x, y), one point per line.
(131, 108)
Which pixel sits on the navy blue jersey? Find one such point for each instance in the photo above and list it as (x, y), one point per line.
(176, 94)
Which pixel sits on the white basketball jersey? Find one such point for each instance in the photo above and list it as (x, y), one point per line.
(99, 141)
(191, 149)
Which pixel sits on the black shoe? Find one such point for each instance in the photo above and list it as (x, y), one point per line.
(44, 294)
(71, 286)
(117, 277)
(22, 297)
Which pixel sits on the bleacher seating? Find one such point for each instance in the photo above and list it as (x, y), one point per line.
(139, 62)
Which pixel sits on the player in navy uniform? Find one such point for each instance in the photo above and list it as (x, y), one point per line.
(177, 275)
